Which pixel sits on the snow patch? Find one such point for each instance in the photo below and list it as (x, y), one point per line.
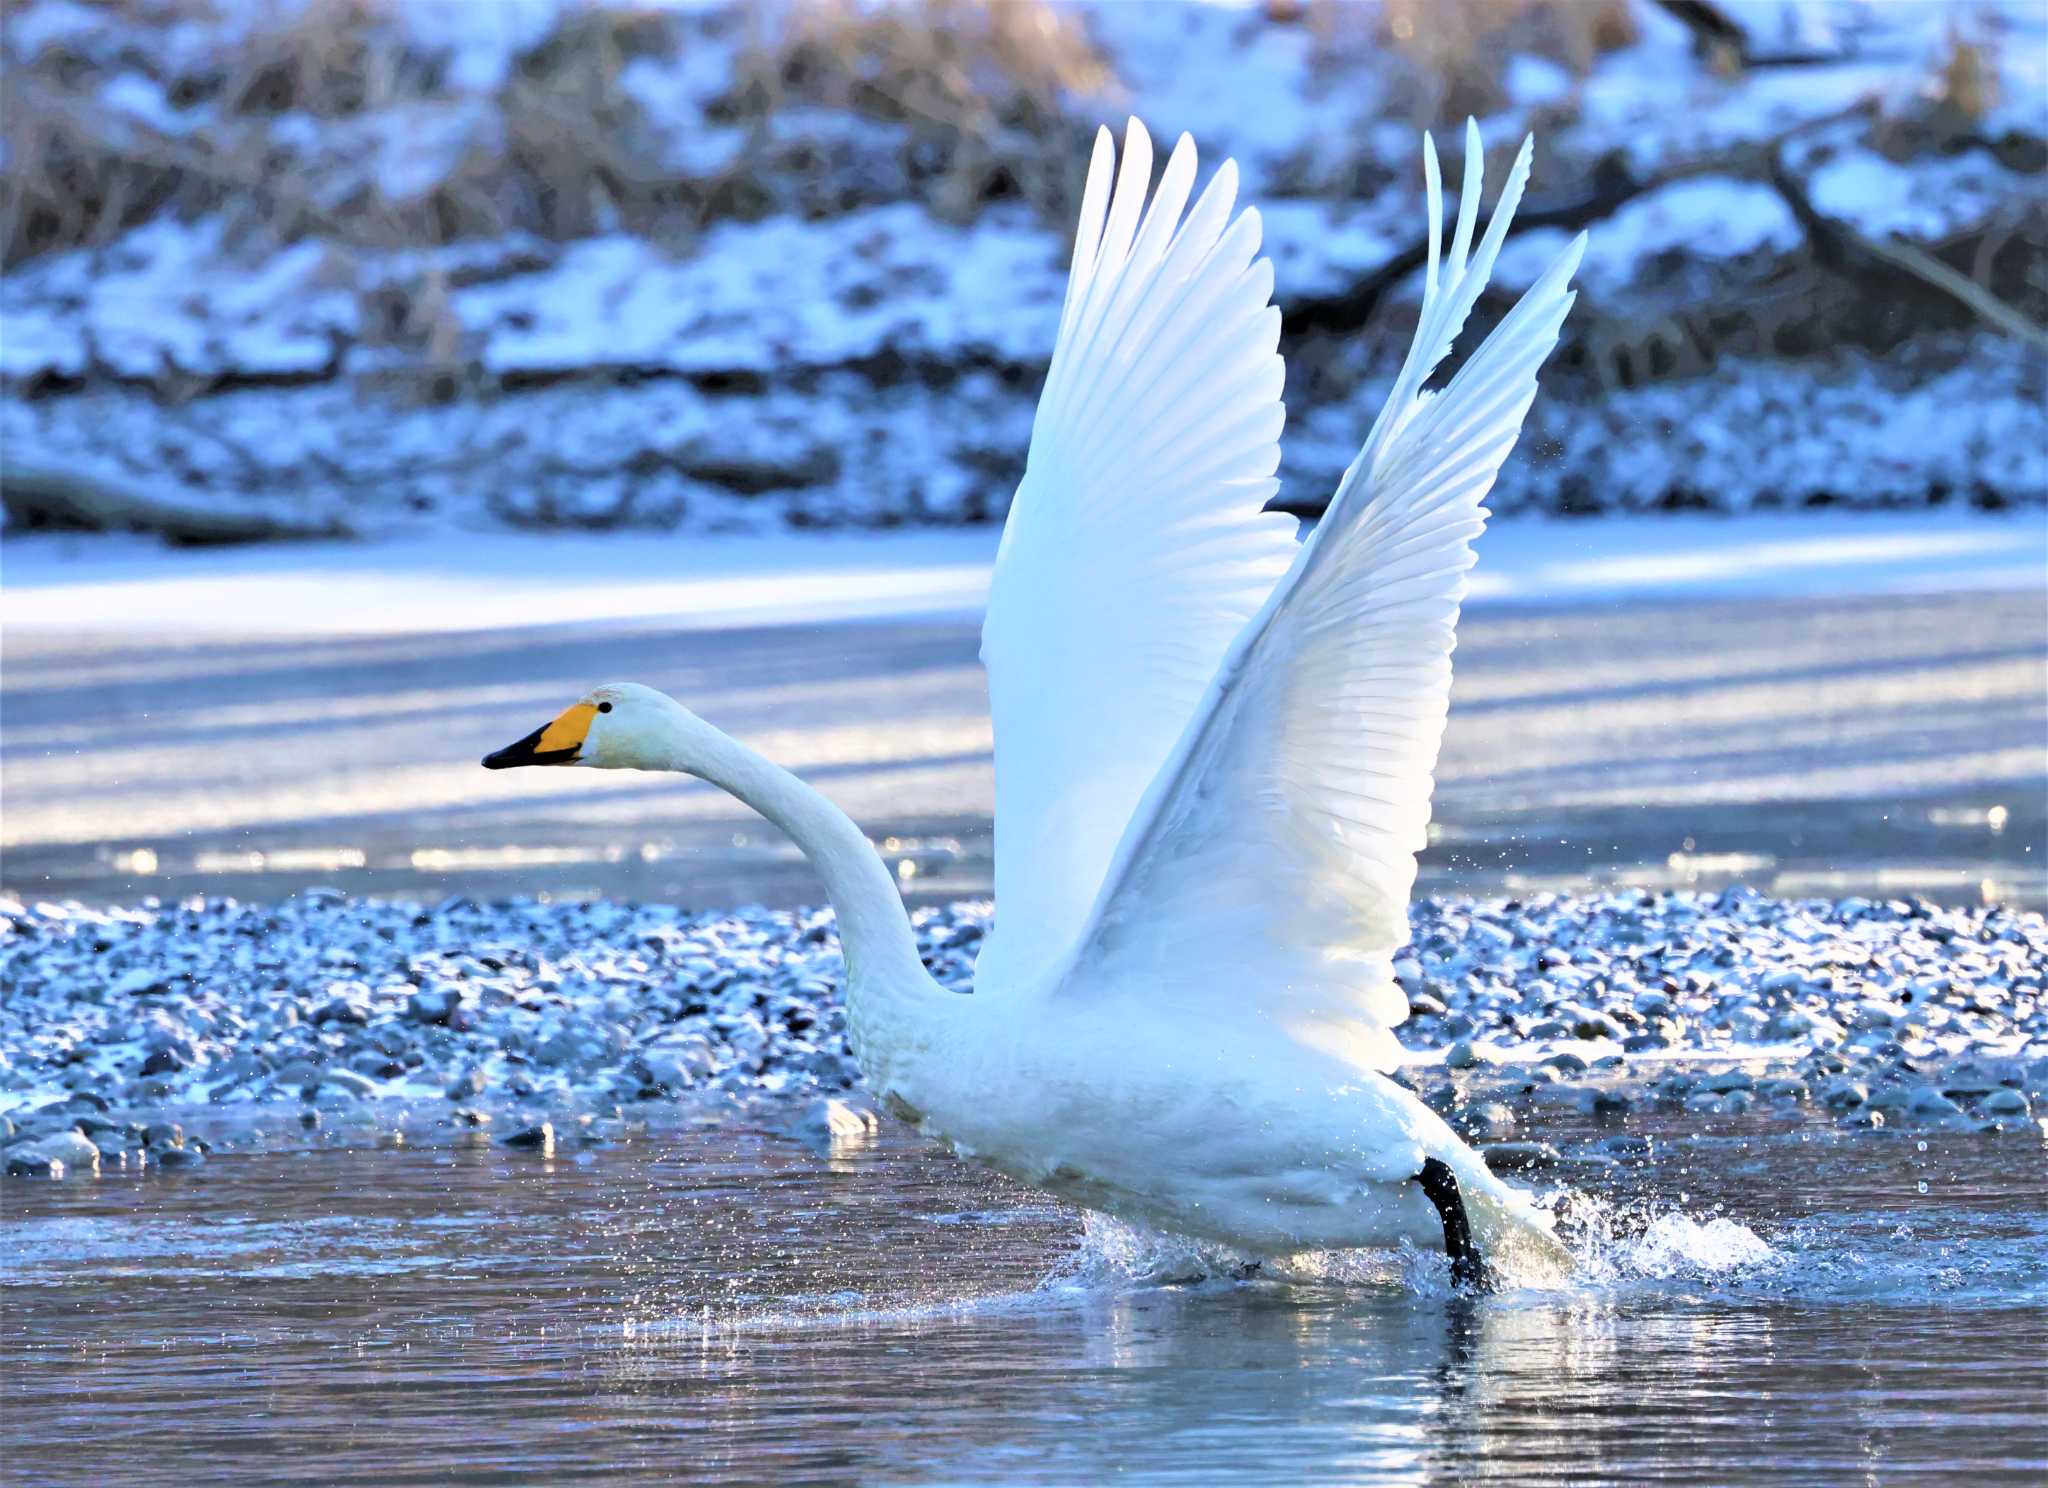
(502, 580)
(1924, 201)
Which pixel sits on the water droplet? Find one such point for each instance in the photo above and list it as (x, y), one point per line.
(1921, 1144)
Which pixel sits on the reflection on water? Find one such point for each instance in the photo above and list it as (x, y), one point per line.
(721, 1303)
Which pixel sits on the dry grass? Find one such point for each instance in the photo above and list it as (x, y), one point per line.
(556, 156)
(334, 58)
(983, 88)
(1956, 92)
(1966, 85)
(980, 92)
(1453, 50)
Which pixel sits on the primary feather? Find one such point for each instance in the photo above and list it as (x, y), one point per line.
(1266, 872)
(1136, 548)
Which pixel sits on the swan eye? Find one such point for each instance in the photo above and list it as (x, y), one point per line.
(604, 707)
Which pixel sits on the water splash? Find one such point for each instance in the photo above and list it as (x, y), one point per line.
(1677, 1245)
(1116, 1254)
(1616, 1244)
(1113, 1253)
(1612, 1245)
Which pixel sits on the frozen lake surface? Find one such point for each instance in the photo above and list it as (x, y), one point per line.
(1817, 705)
(713, 1302)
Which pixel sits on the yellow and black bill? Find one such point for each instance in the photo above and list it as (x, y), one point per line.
(557, 743)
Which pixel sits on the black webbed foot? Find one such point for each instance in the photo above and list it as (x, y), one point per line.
(1469, 1271)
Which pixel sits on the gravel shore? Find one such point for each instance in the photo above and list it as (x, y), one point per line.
(526, 1017)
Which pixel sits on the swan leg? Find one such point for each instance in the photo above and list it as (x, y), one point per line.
(1469, 1271)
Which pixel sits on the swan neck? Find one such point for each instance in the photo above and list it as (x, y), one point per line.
(882, 962)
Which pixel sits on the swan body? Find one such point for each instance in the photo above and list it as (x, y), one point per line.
(1214, 747)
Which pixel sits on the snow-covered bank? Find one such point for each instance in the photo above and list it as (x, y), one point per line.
(521, 1011)
(487, 581)
(827, 311)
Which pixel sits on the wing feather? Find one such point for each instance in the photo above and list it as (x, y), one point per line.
(1136, 548)
(1268, 868)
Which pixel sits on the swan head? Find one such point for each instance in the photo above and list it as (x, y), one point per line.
(619, 726)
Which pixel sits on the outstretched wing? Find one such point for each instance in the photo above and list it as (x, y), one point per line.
(1269, 868)
(1136, 548)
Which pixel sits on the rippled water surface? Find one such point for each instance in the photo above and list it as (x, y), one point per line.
(723, 1303)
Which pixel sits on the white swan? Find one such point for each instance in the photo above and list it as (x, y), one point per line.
(1213, 758)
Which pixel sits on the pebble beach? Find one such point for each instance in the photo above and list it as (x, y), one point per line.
(150, 1036)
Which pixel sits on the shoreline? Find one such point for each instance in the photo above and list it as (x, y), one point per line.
(454, 581)
(531, 1023)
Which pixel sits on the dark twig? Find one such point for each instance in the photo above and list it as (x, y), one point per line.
(1349, 309)
(1840, 247)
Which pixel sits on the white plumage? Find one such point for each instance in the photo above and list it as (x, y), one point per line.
(1214, 749)
(1136, 547)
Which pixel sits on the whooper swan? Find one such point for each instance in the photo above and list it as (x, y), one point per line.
(1213, 757)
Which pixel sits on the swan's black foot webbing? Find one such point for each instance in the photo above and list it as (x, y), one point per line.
(1469, 1271)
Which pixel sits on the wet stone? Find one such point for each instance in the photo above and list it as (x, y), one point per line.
(1488, 1120)
(1590, 1025)
(432, 1005)
(1844, 1095)
(538, 1138)
(1464, 1054)
(71, 1148)
(296, 1074)
(163, 1134)
(1966, 1081)
(1521, 1157)
(838, 1121)
(1927, 1101)
(2005, 1102)
(162, 1062)
(580, 1004)
(1605, 1105)
(99, 1129)
(1727, 1080)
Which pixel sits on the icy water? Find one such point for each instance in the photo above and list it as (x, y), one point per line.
(1785, 1304)
(1870, 745)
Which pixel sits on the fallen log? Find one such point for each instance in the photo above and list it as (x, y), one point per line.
(43, 498)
